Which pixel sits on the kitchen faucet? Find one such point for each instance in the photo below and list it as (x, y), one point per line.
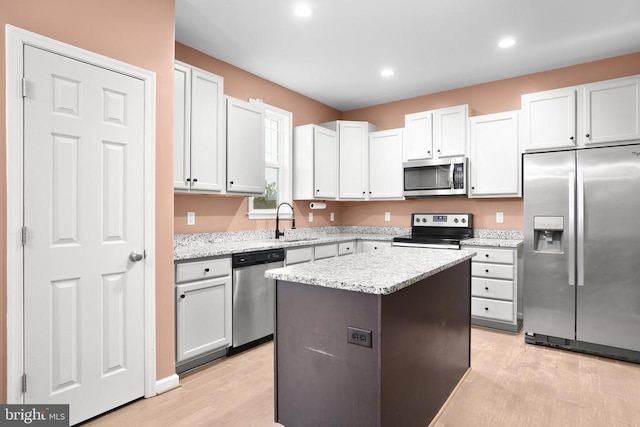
(293, 220)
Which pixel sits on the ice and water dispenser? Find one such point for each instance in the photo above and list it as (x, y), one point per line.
(547, 234)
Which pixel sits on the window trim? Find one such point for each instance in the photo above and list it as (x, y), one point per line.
(285, 175)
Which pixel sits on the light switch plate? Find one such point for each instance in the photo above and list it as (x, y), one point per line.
(310, 216)
(387, 216)
(191, 218)
(499, 217)
(332, 216)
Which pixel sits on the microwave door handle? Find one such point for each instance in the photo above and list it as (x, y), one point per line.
(452, 183)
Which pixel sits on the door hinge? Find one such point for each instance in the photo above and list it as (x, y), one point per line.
(24, 236)
(25, 85)
(24, 383)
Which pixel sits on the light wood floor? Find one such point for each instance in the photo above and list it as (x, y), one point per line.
(510, 384)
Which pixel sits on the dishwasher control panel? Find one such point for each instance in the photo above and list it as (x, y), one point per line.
(258, 257)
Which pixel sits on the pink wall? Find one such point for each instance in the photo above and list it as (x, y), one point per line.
(141, 33)
(229, 213)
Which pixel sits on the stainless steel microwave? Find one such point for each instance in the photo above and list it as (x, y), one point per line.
(442, 177)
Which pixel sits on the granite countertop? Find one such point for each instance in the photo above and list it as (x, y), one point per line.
(202, 248)
(206, 245)
(381, 272)
(501, 243)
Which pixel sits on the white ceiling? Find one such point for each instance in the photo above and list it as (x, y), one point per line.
(336, 55)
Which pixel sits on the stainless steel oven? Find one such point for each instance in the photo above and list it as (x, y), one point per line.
(437, 230)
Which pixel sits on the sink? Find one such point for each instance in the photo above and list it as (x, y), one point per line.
(300, 239)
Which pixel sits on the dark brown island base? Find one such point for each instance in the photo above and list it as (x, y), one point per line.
(378, 339)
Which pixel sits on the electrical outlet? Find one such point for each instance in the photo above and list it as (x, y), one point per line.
(332, 216)
(499, 217)
(191, 218)
(359, 336)
(387, 216)
(310, 216)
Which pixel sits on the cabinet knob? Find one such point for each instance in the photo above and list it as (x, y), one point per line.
(473, 188)
(486, 309)
(486, 288)
(487, 270)
(571, 138)
(588, 135)
(206, 270)
(195, 179)
(438, 151)
(363, 193)
(230, 182)
(182, 296)
(487, 255)
(428, 151)
(188, 179)
(318, 190)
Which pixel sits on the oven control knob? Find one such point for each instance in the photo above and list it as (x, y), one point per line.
(424, 219)
(456, 220)
(464, 220)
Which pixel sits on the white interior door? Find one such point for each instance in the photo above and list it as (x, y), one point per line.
(84, 216)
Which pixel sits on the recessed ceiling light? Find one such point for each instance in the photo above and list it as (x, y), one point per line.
(303, 11)
(387, 72)
(506, 42)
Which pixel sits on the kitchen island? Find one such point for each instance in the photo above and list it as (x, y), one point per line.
(372, 339)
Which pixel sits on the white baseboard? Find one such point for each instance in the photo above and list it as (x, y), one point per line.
(167, 383)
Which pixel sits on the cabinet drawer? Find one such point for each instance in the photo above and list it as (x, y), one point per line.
(491, 288)
(500, 256)
(326, 251)
(296, 256)
(492, 309)
(200, 270)
(493, 271)
(346, 248)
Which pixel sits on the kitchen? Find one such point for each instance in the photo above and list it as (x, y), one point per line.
(154, 49)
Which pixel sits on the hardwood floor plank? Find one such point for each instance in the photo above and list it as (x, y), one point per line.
(510, 384)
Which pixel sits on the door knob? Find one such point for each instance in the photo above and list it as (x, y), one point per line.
(136, 256)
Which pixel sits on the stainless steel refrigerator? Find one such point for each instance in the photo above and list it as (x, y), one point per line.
(582, 250)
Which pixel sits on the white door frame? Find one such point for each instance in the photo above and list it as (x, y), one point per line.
(16, 38)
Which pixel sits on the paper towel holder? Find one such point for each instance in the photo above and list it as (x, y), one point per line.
(317, 205)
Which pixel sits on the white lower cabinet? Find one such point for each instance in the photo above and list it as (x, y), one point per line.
(318, 252)
(496, 288)
(372, 245)
(298, 255)
(325, 251)
(347, 248)
(203, 308)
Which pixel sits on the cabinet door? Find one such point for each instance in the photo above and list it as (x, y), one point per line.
(352, 142)
(549, 120)
(418, 141)
(325, 163)
(245, 147)
(611, 111)
(494, 155)
(449, 131)
(203, 317)
(182, 128)
(385, 164)
(207, 131)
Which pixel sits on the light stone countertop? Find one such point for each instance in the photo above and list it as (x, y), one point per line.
(379, 272)
(500, 243)
(201, 248)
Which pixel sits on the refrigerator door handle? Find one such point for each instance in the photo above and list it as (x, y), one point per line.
(572, 230)
(580, 228)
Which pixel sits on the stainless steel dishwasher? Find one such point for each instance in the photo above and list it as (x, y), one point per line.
(253, 297)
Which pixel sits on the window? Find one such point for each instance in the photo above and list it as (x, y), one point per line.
(278, 169)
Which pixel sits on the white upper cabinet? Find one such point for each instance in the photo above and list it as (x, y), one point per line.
(436, 133)
(418, 141)
(450, 131)
(494, 155)
(385, 164)
(353, 157)
(245, 147)
(549, 120)
(576, 117)
(315, 163)
(611, 111)
(199, 149)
